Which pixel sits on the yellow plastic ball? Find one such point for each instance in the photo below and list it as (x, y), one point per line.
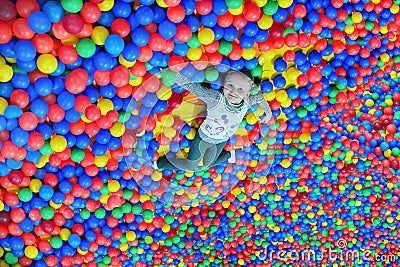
(167, 121)
(169, 132)
(3, 105)
(236, 11)
(136, 81)
(385, 57)
(265, 22)
(124, 62)
(6, 73)
(260, 3)
(156, 176)
(11, 60)
(99, 35)
(35, 185)
(106, 5)
(285, 163)
(113, 186)
(356, 17)
(349, 29)
(31, 252)
(285, 3)
(130, 235)
(117, 130)
(164, 93)
(286, 103)
(394, 9)
(281, 96)
(194, 53)
(206, 36)
(161, 3)
(191, 134)
(249, 53)
(389, 102)
(105, 105)
(251, 118)
(71, 40)
(47, 63)
(100, 161)
(43, 160)
(58, 143)
(64, 234)
(369, 102)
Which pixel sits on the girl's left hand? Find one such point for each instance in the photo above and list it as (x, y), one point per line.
(266, 119)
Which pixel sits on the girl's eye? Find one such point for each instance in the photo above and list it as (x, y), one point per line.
(240, 89)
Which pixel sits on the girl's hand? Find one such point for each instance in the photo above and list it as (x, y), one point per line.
(267, 118)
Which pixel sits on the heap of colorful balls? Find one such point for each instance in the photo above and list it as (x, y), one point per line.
(77, 76)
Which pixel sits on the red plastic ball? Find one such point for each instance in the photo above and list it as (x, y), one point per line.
(151, 83)
(157, 42)
(76, 81)
(299, 11)
(5, 32)
(15, 177)
(22, 30)
(43, 43)
(121, 27)
(59, 31)
(183, 33)
(176, 14)
(28, 121)
(26, 7)
(119, 76)
(67, 54)
(172, 2)
(139, 69)
(90, 12)
(19, 98)
(251, 12)
(73, 23)
(148, 123)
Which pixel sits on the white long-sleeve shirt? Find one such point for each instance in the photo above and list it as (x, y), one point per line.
(223, 118)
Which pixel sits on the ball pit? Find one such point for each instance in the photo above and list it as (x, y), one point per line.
(88, 100)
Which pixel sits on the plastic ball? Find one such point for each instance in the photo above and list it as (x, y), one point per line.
(47, 63)
(53, 10)
(206, 36)
(39, 22)
(73, 23)
(85, 48)
(28, 121)
(176, 13)
(24, 50)
(114, 44)
(76, 81)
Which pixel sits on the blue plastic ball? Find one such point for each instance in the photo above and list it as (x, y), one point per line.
(114, 44)
(39, 22)
(54, 11)
(43, 86)
(144, 15)
(24, 50)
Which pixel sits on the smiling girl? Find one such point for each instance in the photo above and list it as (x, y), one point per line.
(225, 110)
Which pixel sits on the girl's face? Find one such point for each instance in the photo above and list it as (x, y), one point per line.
(237, 87)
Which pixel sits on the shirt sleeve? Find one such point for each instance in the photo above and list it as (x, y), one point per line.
(209, 96)
(260, 100)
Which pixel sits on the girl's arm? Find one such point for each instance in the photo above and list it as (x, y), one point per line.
(260, 100)
(208, 95)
